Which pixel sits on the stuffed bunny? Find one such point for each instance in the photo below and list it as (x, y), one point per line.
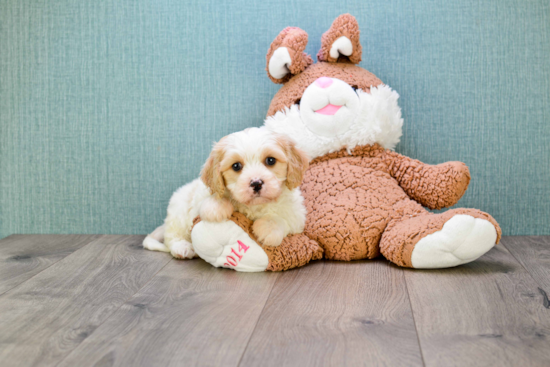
(362, 198)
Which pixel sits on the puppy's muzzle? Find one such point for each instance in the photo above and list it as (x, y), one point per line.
(256, 185)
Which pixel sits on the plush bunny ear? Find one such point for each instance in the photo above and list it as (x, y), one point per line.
(342, 39)
(286, 56)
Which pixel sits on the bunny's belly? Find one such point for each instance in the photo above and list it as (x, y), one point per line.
(349, 207)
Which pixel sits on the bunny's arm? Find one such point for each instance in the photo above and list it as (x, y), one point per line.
(433, 186)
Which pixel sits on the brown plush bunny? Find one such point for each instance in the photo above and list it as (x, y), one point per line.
(362, 198)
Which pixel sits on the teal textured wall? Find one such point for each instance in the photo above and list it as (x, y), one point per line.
(107, 106)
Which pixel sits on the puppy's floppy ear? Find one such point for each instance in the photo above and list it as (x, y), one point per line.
(211, 174)
(297, 161)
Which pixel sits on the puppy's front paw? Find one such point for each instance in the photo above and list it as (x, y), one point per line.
(268, 232)
(182, 250)
(215, 210)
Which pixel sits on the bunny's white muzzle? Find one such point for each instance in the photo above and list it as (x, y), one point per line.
(329, 106)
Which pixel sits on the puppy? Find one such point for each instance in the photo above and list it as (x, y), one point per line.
(254, 172)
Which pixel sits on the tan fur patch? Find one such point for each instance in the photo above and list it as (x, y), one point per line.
(211, 174)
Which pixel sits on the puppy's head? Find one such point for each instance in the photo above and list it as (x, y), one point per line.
(254, 166)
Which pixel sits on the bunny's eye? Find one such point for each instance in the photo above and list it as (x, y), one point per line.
(237, 167)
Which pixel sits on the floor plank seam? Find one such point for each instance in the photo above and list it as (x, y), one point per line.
(257, 321)
(114, 312)
(52, 264)
(414, 320)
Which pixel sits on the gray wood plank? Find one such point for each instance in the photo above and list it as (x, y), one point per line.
(189, 314)
(533, 252)
(336, 314)
(486, 313)
(43, 319)
(24, 256)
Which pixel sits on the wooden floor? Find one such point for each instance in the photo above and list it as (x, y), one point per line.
(75, 300)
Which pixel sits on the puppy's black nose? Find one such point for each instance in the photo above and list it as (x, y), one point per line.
(256, 185)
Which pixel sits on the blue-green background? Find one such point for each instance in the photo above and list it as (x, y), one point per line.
(107, 106)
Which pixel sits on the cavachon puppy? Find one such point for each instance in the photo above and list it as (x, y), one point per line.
(254, 172)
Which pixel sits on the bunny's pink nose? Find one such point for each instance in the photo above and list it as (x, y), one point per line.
(323, 82)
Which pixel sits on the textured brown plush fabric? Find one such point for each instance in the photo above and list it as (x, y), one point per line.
(434, 187)
(295, 251)
(295, 40)
(345, 25)
(354, 199)
(292, 91)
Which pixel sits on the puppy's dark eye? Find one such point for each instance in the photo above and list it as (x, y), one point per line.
(237, 167)
(270, 161)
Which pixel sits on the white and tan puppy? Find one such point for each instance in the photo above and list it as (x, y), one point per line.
(254, 172)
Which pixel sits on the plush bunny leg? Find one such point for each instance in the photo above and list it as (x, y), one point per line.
(232, 245)
(432, 241)
(295, 251)
(225, 244)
